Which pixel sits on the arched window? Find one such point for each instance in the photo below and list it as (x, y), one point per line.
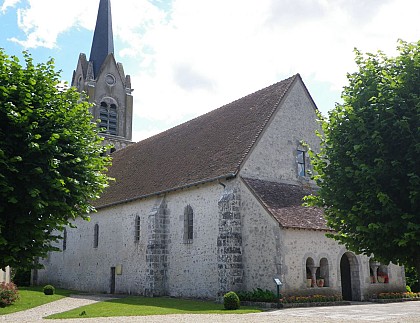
(324, 272)
(96, 236)
(188, 224)
(137, 229)
(64, 239)
(108, 116)
(310, 275)
(382, 274)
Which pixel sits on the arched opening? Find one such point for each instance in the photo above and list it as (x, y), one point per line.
(310, 272)
(324, 272)
(350, 277)
(346, 278)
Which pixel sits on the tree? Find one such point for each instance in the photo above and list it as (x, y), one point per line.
(51, 167)
(368, 167)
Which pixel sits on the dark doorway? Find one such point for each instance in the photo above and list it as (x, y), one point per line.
(112, 280)
(345, 278)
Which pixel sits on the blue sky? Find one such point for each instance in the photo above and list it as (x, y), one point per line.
(187, 57)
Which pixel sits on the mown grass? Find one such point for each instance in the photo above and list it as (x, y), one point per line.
(142, 306)
(33, 296)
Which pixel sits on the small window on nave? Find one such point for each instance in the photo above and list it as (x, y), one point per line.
(96, 236)
(188, 224)
(137, 229)
(64, 239)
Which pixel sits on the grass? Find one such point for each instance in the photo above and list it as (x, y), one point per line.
(142, 306)
(33, 296)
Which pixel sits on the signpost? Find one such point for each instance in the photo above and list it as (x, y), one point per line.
(278, 284)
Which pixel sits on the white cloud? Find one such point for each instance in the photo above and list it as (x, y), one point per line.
(202, 54)
(8, 4)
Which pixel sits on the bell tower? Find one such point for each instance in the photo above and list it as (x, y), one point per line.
(105, 83)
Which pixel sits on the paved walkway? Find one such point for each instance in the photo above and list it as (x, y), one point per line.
(406, 312)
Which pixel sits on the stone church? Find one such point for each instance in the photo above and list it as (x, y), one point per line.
(209, 206)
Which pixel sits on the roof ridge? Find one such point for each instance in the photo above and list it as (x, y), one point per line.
(223, 106)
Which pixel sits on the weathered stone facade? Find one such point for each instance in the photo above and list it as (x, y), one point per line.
(229, 242)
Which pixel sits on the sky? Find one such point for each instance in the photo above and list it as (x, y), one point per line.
(187, 57)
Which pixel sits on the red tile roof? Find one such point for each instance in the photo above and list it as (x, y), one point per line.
(206, 148)
(284, 202)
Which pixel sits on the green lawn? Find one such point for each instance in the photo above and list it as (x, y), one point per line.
(32, 297)
(141, 306)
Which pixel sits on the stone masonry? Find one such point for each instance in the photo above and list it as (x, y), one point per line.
(229, 242)
(157, 250)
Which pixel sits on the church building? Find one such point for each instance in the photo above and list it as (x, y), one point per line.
(209, 206)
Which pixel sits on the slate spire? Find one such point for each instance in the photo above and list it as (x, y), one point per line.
(103, 40)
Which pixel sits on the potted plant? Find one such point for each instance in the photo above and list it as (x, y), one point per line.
(320, 281)
(382, 277)
(308, 282)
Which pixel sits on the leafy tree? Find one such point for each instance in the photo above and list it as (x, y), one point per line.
(368, 167)
(50, 164)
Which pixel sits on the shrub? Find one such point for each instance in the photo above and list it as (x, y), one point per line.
(49, 290)
(8, 294)
(258, 295)
(408, 289)
(231, 301)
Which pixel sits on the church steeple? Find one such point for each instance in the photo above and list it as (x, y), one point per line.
(103, 39)
(105, 83)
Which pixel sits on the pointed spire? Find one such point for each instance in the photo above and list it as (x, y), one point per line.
(103, 40)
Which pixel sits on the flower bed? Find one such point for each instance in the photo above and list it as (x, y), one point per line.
(311, 299)
(301, 301)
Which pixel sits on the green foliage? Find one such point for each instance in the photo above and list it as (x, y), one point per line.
(8, 294)
(368, 167)
(412, 279)
(231, 301)
(50, 160)
(49, 290)
(21, 277)
(258, 295)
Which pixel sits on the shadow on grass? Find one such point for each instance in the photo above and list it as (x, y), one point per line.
(143, 306)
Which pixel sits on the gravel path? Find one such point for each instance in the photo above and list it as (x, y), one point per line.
(406, 312)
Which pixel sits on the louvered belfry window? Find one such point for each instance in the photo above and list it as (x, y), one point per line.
(108, 116)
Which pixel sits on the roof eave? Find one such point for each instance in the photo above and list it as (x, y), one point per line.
(208, 180)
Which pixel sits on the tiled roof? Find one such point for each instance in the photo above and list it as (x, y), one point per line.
(206, 148)
(284, 202)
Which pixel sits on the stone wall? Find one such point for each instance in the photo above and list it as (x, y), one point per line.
(229, 242)
(160, 263)
(157, 250)
(274, 158)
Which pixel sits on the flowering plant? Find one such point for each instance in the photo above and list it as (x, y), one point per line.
(8, 294)
(311, 299)
(397, 295)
